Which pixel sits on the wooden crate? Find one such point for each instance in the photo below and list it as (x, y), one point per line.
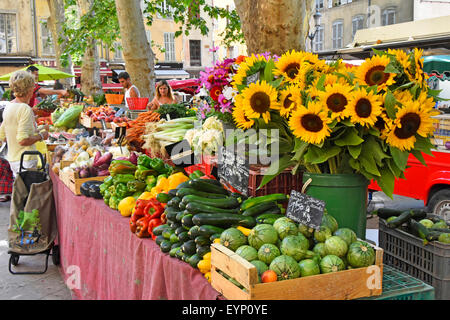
(87, 122)
(343, 285)
(73, 182)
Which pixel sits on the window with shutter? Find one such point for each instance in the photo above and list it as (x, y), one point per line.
(195, 53)
(318, 39)
(47, 41)
(357, 24)
(169, 46)
(388, 16)
(8, 33)
(337, 36)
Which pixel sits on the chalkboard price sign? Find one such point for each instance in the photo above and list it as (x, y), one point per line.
(305, 210)
(234, 170)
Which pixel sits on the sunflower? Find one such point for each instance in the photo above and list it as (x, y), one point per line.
(289, 100)
(310, 124)
(306, 76)
(371, 73)
(364, 107)
(289, 66)
(313, 93)
(258, 99)
(318, 64)
(427, 103)
(383, 124)
(402, 58)
(239, 115)
(246, 68)
(419, 75)
(403, 97)
(410, 120)
(336, 98)
(330, 79)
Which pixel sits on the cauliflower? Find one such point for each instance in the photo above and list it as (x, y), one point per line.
(208, 141)
(212, 123)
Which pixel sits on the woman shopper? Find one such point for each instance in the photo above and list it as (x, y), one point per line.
(164, 95)
(19, 127)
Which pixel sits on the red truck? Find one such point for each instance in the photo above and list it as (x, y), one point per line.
(429, 183)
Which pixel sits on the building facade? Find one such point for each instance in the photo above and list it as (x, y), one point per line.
(340, 19)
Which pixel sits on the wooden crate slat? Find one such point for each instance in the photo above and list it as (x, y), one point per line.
(221, 284)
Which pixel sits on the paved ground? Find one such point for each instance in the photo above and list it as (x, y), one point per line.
(48, 286)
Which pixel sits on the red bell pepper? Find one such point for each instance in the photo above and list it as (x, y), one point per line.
(154, 209)
(142, 227)
(153, 224)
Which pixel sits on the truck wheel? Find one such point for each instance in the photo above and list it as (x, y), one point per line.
(440, 204)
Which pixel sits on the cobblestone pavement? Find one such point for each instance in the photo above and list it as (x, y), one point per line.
(48, 286)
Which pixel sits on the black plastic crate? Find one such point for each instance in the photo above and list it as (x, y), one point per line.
(406, 252)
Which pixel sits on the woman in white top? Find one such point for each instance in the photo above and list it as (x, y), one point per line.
(19, 127)
(131, 91)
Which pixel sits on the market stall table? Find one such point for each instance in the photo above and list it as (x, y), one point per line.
(113, 263)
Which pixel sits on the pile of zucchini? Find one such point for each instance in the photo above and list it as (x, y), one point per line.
(197, 213)
(417, 222)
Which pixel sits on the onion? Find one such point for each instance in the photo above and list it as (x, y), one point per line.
(447, 144)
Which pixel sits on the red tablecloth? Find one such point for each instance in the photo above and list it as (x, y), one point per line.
(113, 262)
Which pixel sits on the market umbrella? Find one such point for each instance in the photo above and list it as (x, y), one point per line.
(44, 74)
(437, 64)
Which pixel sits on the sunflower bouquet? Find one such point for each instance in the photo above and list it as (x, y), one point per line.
(337, 118)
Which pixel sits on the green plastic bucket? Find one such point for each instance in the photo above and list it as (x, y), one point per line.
(345, 196)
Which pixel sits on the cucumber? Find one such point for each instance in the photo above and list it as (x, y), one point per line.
(202, 241)
(197, 207)
(175, 225)
(194, 260)
(167, 233)
(202, 250)
(261, 208)
(179, 216)
(159, 239)
(189, 247)
(194, 232)
(208, 230)
(441, 230)
(179, 230)
(187, 220)
(214, 237)
(225, 220)
(165, 246)
(202, 185)
(164, 197)
(225, 203)
(174, 202)
(157, 231)
(268, 218)
(186, 191)
(184, 236)
(185, 258)
(250, 202)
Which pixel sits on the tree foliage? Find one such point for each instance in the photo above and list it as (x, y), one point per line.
(189, 14)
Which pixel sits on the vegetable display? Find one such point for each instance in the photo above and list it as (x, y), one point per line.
(175, 111)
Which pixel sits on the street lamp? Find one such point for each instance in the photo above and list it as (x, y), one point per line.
(317, 15)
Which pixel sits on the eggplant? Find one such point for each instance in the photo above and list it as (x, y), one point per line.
(94, 190)
(85, 188)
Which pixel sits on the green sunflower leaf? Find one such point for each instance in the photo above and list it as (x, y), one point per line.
(276, 83)
(299, 149)
(355, 164)
(355, 151)
(268, 71)
(419, 156)
(321, 82)
(372, 148)
(347, 122)
(400, 157)
(317, 155)
(423, 144)
(390, 68)
(368, 164)
(379, 53)
(390, 104)
(349, 138)
(405, 86)
(386, 181)
(393, 167)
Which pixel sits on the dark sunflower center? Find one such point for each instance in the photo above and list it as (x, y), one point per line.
(312, 122)
(260, 102)
(292, 70)
(337, 102)
(288, 102)
(363, 108)
(380, 124)
(376, 76)
(410, 124)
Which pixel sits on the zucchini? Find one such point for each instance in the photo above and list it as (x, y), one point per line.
(202, 241)
(194, 260)
(167, 233)
(406, 216)
(175, 225)
(165, 246)
(187, 220)
(176, 245)
(179, 254)
(202, 185)
(182, 206)
(225, 220)
(157, 231)
(174, 238)
(194, 232)
(197, 207)
(441, 230)
(250, 202)
(268, 218)
(202, 250)
(171, 214)
(159, 239)
(185, 258)
(211, 181)
(238, 195)
(225, 203)
(183, 185)
(180, 216)
(173, 193)
(174, 202)
(385, 213)
(208, 230)
(186, 191)
(184, 236)
(179, 230)
(173, 251)
(189, 247)
(214, 237)
(261, 208)
(418, 229)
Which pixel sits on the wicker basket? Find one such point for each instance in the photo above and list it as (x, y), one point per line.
(114, 98)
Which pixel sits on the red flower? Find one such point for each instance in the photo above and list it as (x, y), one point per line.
(215, 92)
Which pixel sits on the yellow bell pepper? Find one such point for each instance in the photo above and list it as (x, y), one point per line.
(146, 196)
(207, 256)
(204, 266)
(208, 276)
(176, 179)
(162, 185)
(126, 206)
(155, 191)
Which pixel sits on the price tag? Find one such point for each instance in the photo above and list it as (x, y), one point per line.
(103, 124)
(305, 209)
(120, 132)
(120, 112)
(254, 78)
(181, 154)
(234, 170)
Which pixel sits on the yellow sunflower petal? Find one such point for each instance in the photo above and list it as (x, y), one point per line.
(371, 73)
(364, 107)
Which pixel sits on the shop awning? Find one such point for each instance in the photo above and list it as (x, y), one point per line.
(171, 74)
(437, 64)
(103, 72)
(432, 35)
